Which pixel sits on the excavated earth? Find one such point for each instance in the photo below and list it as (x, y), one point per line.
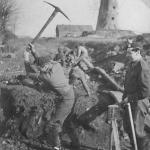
(21, 107)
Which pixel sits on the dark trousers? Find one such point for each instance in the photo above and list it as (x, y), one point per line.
(61, 115)
(64, 107)
(139, 110)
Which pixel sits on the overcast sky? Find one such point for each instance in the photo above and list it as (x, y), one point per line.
(133, 15)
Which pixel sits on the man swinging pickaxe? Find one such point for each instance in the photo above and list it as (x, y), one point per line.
(57, 9)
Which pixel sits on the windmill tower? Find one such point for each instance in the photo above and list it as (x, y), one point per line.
(107, 17)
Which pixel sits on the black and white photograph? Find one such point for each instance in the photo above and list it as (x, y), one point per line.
(74, 74)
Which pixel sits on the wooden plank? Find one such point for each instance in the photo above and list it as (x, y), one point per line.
(116, 134)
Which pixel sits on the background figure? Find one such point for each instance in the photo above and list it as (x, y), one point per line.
(63, 51)
(83, 57)
(81, 65)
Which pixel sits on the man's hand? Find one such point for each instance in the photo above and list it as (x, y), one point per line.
(124, 102)
(34, 76)
(30, 48)
(26, 56)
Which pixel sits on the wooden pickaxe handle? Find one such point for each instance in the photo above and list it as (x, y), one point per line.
(45, 25)
(57, 9)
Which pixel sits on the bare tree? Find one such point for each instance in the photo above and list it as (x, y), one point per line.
(7, 11)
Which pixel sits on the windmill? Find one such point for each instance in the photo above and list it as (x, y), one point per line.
(107, 15)
(108, 12)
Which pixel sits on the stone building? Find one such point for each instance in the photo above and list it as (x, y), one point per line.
(72, 30)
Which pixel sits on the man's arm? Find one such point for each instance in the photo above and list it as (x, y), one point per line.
(108, 78)
(88, 63)
(144, 80)
(28, 65)
(33, 51)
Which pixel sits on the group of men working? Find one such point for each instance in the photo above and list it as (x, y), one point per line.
(77, 61)
(136, 85)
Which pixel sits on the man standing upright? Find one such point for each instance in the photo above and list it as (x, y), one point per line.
(137, 93)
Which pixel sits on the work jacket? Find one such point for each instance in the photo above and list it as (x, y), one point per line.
(52, 73)
(137, 81)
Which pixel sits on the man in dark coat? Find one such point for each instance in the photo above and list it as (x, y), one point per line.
(137, 93)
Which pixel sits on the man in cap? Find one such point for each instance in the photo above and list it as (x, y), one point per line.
(137, 93)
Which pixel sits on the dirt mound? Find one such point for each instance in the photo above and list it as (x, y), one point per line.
(22, 103)
(23, 107)
(25, 98)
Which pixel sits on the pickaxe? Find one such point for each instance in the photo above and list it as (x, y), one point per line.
(57, 9)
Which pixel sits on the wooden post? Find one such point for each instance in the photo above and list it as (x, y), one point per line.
(113, 114)
(132, 126)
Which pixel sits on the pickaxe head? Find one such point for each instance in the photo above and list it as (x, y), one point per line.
(58, 9)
